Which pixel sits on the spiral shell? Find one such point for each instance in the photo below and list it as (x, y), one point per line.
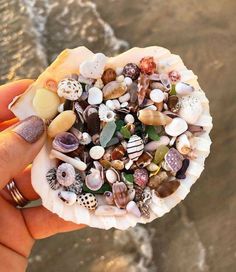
(135, 147)
(66, 174)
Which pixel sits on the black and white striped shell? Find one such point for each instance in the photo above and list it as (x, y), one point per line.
(88, 201)
(135, 147)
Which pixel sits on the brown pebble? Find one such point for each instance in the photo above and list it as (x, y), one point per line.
(108, 76)
(167, 188)
(118, 153)
(155, 181)
(144, 160)
(172, 103)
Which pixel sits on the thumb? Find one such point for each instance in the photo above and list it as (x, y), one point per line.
(18, 147)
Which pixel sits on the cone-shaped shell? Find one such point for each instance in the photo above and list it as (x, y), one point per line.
(153, 118)
(68, 62)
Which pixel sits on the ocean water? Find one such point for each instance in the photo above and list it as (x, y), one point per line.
(199, 234)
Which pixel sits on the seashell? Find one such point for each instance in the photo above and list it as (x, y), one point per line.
(151, 107)
(108, 210)
(60, 108)
(128, 164)
(141, 177)
(98, 84)
(109, 197)
(79, 110)
(157, 85)
(194, 128)
(107, 133)
(70, 89)
(183, 144)
(94, 67)
(135, 147)
(120, 194)
(182, 88)
(133, 88)
(46, 103)
(113, 90)
(85, 139)
(95, 96)
(51, 85)
(108, 76)
(77, 163)
(133, 209)
(131, 192)
(143, 85)
(190, 108)
(167, 188)
(159, 106)
(52, 179)
(174, 76)
(157, 95)
(110, 104)
(124, 98)
(96, 152)
(153, 145)
(165, 81)
(152, 167)
(105, 114)
(112, 175)
(144, 160)
(77, 186)
(174, 159)
(65, 142)
(120, 78)
(131, 70)
(176, 127)
(88, 201)
(118, 153)
(94, 180)
(68, 197)
(117, 164)
(147, 195)
(128, 81)
(153, 118)
(155, 181)
(92, 119)
(105, 163)
(147, 65)
(144, 209)
(181, 173)
(65, 174)
(129, 119)
(85, 80)
(124, 104)
(63, 122)
(173, 104)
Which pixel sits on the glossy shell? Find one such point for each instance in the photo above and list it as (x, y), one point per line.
(88, 201)
(153, 118)
(135, 147)
(113, 90)
(65, 142)
(70, 89)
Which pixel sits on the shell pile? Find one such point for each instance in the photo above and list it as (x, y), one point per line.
(119, 135)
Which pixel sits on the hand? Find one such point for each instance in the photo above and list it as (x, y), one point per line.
(19, 144)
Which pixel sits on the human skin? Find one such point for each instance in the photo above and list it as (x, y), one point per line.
(20, 228)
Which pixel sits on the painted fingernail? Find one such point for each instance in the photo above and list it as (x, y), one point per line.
(30, 129)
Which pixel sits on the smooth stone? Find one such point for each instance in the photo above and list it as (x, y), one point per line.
(96, 152)
(176, 127)
(182, 88)
(157, 95)
(95, 96)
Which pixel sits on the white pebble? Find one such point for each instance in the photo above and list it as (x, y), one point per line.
(128, 81)
(99, 83)
(95, 96)
(119, 71)
(61, 108)
(96, 152)
(120, 78)
(124, 98)
(116, 104)
(110, 104)
(129, 118)
(151, 107)
(124, 104)
(157, 95)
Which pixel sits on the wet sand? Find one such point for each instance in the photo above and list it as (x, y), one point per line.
(199, 234)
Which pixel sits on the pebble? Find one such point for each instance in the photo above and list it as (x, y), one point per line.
(95, 96)
(93, 68)
(96, 152)
(152, 167)
(131, 70)
(124, 98)
(46, 103)
(124, 104)
(120, 78)
(63, 122)
(129, 119)
(70, 89)
(128, 81)
(176, 127)
(111, 176)
(157, 95)
(108, 76)
(160, 153)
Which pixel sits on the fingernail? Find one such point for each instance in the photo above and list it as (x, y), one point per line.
(30, 129)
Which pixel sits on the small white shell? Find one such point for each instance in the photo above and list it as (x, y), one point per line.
(124, 104)
(190, 108)
(70, 89)
(105, 114)
(129, 118)
(108, 210)
(111, 176)
(124, 98)
(183, 144)
(116, 104)
(96, 152)
(85, 139)
(61, 108)
(110, 104)
(135, 147)
(176, 127)
(94, 180)
(119, 71)
(128, 81)
(133, 209)
(157, 95)
(94, 96)
(182, 88)
(151, 107)
(68, 197)
(94, 67)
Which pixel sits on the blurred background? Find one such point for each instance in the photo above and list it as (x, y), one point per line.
(199, 234)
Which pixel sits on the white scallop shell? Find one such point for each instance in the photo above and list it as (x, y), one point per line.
(22, 108)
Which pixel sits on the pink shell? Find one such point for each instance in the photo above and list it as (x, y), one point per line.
(141, 177)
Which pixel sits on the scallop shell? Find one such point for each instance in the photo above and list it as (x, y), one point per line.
(22, 108)
(135, 147)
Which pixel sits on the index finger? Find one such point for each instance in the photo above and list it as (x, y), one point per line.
(8, 92)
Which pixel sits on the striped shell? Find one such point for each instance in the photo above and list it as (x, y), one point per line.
(135, 147)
